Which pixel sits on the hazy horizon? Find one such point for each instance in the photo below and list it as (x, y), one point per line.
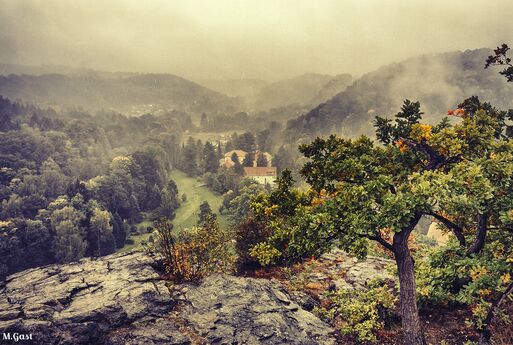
(266, 40)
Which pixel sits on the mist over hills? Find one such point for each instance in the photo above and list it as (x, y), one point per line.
(10, 68)
(439, 82)
(313, 104)
(246, 89)
(122, 93)
(303, 90)
(306, 90)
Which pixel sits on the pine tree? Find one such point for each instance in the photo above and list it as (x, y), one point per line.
(205, 214)
(237, 167)
(190, 158)
(262, 160)
(249, 159)
(210, 160)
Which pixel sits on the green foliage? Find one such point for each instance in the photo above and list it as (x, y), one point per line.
(460, 173)
(249, 159)
(238, 168)
(447, 276)
(500, 58)
(237, 203)
(264, 253)
(297, 229)
(363, 312)
(77, 180)
(205, 214)
(261, 160)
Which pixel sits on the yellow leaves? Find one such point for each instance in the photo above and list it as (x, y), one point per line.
(264, 253)
(320, 199)
(268, 211)
(420, 131)
(5, 224)
(485, 292)
(425, 291)
(477, 272)
(506, 278)
(317, 201)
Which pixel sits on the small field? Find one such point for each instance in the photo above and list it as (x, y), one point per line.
(213, 137)
(187, 213)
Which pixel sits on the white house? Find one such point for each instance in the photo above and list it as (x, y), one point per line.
(263, 175)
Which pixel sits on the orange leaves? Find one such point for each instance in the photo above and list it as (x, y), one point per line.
(457, 112)
(401, 145)
(320, 198)
(419, 132)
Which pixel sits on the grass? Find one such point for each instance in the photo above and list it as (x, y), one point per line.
(187, 213)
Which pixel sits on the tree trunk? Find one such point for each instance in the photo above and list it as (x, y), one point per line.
(409, 313)
(408, 295)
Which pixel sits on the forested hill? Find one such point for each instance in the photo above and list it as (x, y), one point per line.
(303, 90)
(126, 93)
(438, 81)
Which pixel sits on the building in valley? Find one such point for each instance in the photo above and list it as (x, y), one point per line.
(227, 161)
(263, 175)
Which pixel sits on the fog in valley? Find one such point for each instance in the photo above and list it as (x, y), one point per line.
(267, 40)
(256, 172)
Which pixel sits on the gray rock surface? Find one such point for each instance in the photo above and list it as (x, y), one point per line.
(120, 299)
(234, 310)
(348, 272)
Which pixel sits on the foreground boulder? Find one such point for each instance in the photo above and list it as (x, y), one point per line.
(120, 299)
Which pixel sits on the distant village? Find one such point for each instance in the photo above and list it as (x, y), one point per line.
(257, 165)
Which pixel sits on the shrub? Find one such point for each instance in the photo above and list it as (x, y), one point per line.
(192, 254)
(247, 235)
(361, 312)
(264, 253)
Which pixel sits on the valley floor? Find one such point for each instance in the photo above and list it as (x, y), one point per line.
(187, 213)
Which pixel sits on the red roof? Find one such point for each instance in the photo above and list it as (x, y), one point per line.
(260, 171)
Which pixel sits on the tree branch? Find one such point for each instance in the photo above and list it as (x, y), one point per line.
(496, 304)
(482, 228)
(381, 241)
(435, 160)
(455, 228)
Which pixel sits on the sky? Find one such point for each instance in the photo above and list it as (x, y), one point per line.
(263, 39)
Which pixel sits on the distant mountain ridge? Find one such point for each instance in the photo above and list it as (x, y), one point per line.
(119, 92)
(438, 81)
(300, 90)
(304, 90)
(10, 68)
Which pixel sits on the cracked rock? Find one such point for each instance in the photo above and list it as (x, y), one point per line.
(120, 299)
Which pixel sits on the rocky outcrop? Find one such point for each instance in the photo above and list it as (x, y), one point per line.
(345, 271)
(120, 299)
(234, 310)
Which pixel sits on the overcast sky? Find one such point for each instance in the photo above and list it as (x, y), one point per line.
(267, 39)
